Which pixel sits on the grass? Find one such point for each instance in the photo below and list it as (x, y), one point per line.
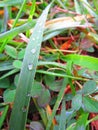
(48, 65)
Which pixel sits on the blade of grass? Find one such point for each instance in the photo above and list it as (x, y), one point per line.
(92, 119)
(69, 72)
(15, 70)
(27, 74)
(6, 17)
(52, 27)
(61, 3)
(10, 2)
(89, 8)
(3, 116)
(9, 73)
(42, 112)
(13, 32)
(58, 101)
(96, 5)
(77, 7)
(61, 75)
(19, 13)
(62, 117)
(31, 15)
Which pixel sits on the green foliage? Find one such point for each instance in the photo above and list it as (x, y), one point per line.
(28, 69)
(4, 83)
(11, 51)
(84, 61)
(9, 95)
(77, 102)
(3, 109)
(90, 104)
(46, 67)
(10, 2)
(89, 87)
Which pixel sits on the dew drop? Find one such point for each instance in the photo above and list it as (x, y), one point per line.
(40, 24)
(33, 51)
(28, 95)
(30, 66)
(24, 109)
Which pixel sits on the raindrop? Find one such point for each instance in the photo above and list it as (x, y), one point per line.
(40, 24)
(33, 51)
(28, 95)
(30, 66)
(24, 109)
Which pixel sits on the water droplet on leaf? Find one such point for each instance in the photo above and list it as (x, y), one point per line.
(40, 24)
(30, 66)
(33, 51)
(28, 95)
(24, 109)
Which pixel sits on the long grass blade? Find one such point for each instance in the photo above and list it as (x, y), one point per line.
(13, 32)
(27, 74)
(58, 101)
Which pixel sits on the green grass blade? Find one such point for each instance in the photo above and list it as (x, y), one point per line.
(19, 13)
(96, 5)
(62, 117)
(27, 74)
(10, 2)
(3, 116)
(13, 32)
(89, 8)
(58, 101)
(31, 15)
(84, 61)
(9, 73)
(77, 7)
(61, 75)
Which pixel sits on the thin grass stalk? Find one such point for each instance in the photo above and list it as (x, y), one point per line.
(2, 118)
(19, 13)
(58, 101)
(27, 74)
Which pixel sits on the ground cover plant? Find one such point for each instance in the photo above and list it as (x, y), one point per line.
(48, 65)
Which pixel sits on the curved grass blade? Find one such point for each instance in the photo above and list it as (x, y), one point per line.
(84, 61)
(9, 73)
(27, 74)
(52, 27)
(13, 32)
